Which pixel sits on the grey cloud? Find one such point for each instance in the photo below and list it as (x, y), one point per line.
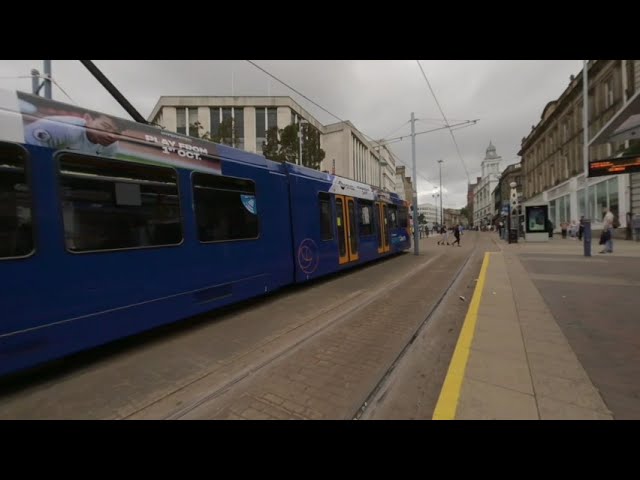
(377, 96)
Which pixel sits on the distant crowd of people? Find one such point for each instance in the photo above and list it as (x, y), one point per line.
(573, 230)
(444, 231)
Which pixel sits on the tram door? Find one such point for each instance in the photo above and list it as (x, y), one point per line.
(383, 229)
(347, 233)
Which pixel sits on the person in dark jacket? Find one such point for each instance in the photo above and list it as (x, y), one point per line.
(456, 233)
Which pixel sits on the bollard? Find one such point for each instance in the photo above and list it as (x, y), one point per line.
(586, 237)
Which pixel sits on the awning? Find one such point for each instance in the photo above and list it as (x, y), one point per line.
(624, 125)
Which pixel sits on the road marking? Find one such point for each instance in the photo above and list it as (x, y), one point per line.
(450, 393)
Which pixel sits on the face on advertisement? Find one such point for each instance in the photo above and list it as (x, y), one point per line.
(101, 130)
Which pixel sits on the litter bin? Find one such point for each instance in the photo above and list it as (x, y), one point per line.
(513, 236)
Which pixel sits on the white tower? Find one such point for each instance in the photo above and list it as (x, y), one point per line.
(491, 162)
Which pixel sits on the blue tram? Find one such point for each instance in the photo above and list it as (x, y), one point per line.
(109, 227)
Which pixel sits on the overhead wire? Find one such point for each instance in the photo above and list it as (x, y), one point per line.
(44, 77)
(445, 121)
(290, 87)
(377, 142)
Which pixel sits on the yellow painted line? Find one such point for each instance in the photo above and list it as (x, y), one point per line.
(450, 393)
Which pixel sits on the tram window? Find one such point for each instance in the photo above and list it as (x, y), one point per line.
(16, 230)
(393, 216)
(111, 205)
(225, 207)
(403, 217)
(326, 225)
(365, 209)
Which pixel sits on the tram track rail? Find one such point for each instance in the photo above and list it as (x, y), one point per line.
(237, 377)
(357, 415)
(338, 341)
(205, 405)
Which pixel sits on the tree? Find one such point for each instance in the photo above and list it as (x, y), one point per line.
(198, 126)
(271, 147)
(224, 134)
(312, 154)
(464, 212)
(422, 219)
(284, 145)
(289, 145)
(204, 135)
(228, 133)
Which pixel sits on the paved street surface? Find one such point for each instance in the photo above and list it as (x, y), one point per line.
(316, 351)
(411, 391)
(552, 336)
(596, 302)
(486, 331)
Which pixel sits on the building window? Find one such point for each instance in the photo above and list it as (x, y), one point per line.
(214, 115)
(353, 153)
(238, 127)
(16, 228)
(361, 160)
(579, 121)
(226, 208)
(326, 223)
(188, 117)
(261, 127)
(539, 186)
(111, 205)
(612, 187)
(592, 104)
(227, 126)
(608, 93)
(266, 119)
(227, 120)
(194, 123)
(272, 118)
(630, 78)
(181, 120)
(600, 196)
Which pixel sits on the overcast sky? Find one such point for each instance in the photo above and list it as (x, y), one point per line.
(377, 96)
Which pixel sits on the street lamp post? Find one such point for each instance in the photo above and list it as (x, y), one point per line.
(441, 213)
(586, 232)
(35, 76)
(435, 199)
(47, 79)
